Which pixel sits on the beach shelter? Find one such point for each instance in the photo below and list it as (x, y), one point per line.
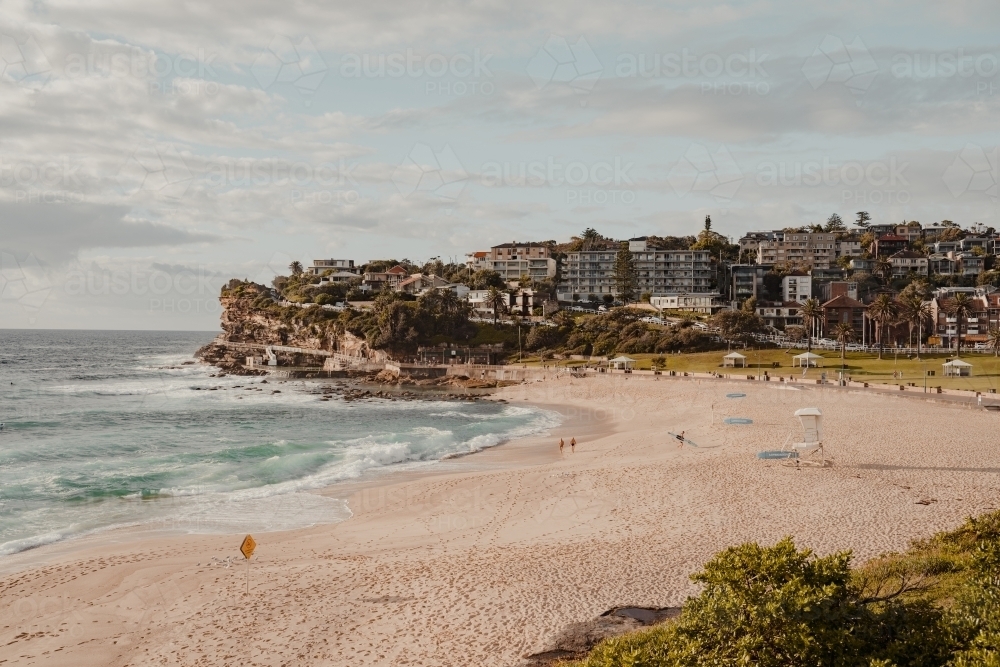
(957, 368)
(622, 363)
(733, 358)
(805, 359)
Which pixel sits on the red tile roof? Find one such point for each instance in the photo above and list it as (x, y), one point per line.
(843, 301)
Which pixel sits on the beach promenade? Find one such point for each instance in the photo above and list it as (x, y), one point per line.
(480, 560)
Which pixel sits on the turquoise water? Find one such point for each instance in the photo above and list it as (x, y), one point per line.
(108, 429)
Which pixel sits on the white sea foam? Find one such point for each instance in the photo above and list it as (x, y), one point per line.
(225, 493)
(15, 546)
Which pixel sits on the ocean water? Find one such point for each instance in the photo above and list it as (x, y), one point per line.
(113, 428)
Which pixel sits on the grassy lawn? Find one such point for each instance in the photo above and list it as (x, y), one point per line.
(860, 366)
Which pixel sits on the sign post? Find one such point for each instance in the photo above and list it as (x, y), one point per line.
(247, 550)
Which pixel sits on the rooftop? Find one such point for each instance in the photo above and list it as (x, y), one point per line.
(843, 301)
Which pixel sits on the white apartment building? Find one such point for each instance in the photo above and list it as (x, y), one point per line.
(658, 272)
(708, 303)
(335, 265)
(796, 286)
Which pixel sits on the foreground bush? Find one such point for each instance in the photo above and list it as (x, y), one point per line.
(936, 605)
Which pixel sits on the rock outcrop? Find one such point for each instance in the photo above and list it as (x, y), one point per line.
(252, 316)
(577, 639)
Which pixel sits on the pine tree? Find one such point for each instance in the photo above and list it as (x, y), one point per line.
(625, 274)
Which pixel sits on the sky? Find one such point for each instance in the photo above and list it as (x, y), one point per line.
(150, 152)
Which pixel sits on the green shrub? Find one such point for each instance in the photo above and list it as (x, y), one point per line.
(779, 606)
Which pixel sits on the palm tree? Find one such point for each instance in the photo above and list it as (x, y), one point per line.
(960, 308)
(993, 340)
(496, 300)
(914, 311)
(844, 334)
(883, 268)
(296, 268)
(883, 311)
(450, 303)
(811, 311)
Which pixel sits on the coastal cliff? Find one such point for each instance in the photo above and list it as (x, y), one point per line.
(253, 315)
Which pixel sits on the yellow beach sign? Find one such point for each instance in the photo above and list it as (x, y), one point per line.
(248, 546)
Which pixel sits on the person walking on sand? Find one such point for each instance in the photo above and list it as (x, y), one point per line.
(561, 445)
(572, 444)
(680, 439)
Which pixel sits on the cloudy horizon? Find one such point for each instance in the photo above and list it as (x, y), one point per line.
(152, 152)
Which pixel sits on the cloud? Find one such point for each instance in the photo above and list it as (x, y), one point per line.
(57, 233)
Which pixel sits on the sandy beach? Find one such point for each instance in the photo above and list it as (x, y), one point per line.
(480, 560)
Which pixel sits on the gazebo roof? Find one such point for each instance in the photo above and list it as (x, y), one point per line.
(956, 363)
(807, 355)
(735, 355)
(622, 358)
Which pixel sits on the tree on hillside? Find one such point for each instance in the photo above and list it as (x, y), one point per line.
(496, 301)
(834, 223)
(296, 268)
(883, 312)
(708, 223)
(867, 239)
(863, 218)
(717, 245)
(812, 312)
(625, 279)
(485, 279)
(961, 307)
(590, 237)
